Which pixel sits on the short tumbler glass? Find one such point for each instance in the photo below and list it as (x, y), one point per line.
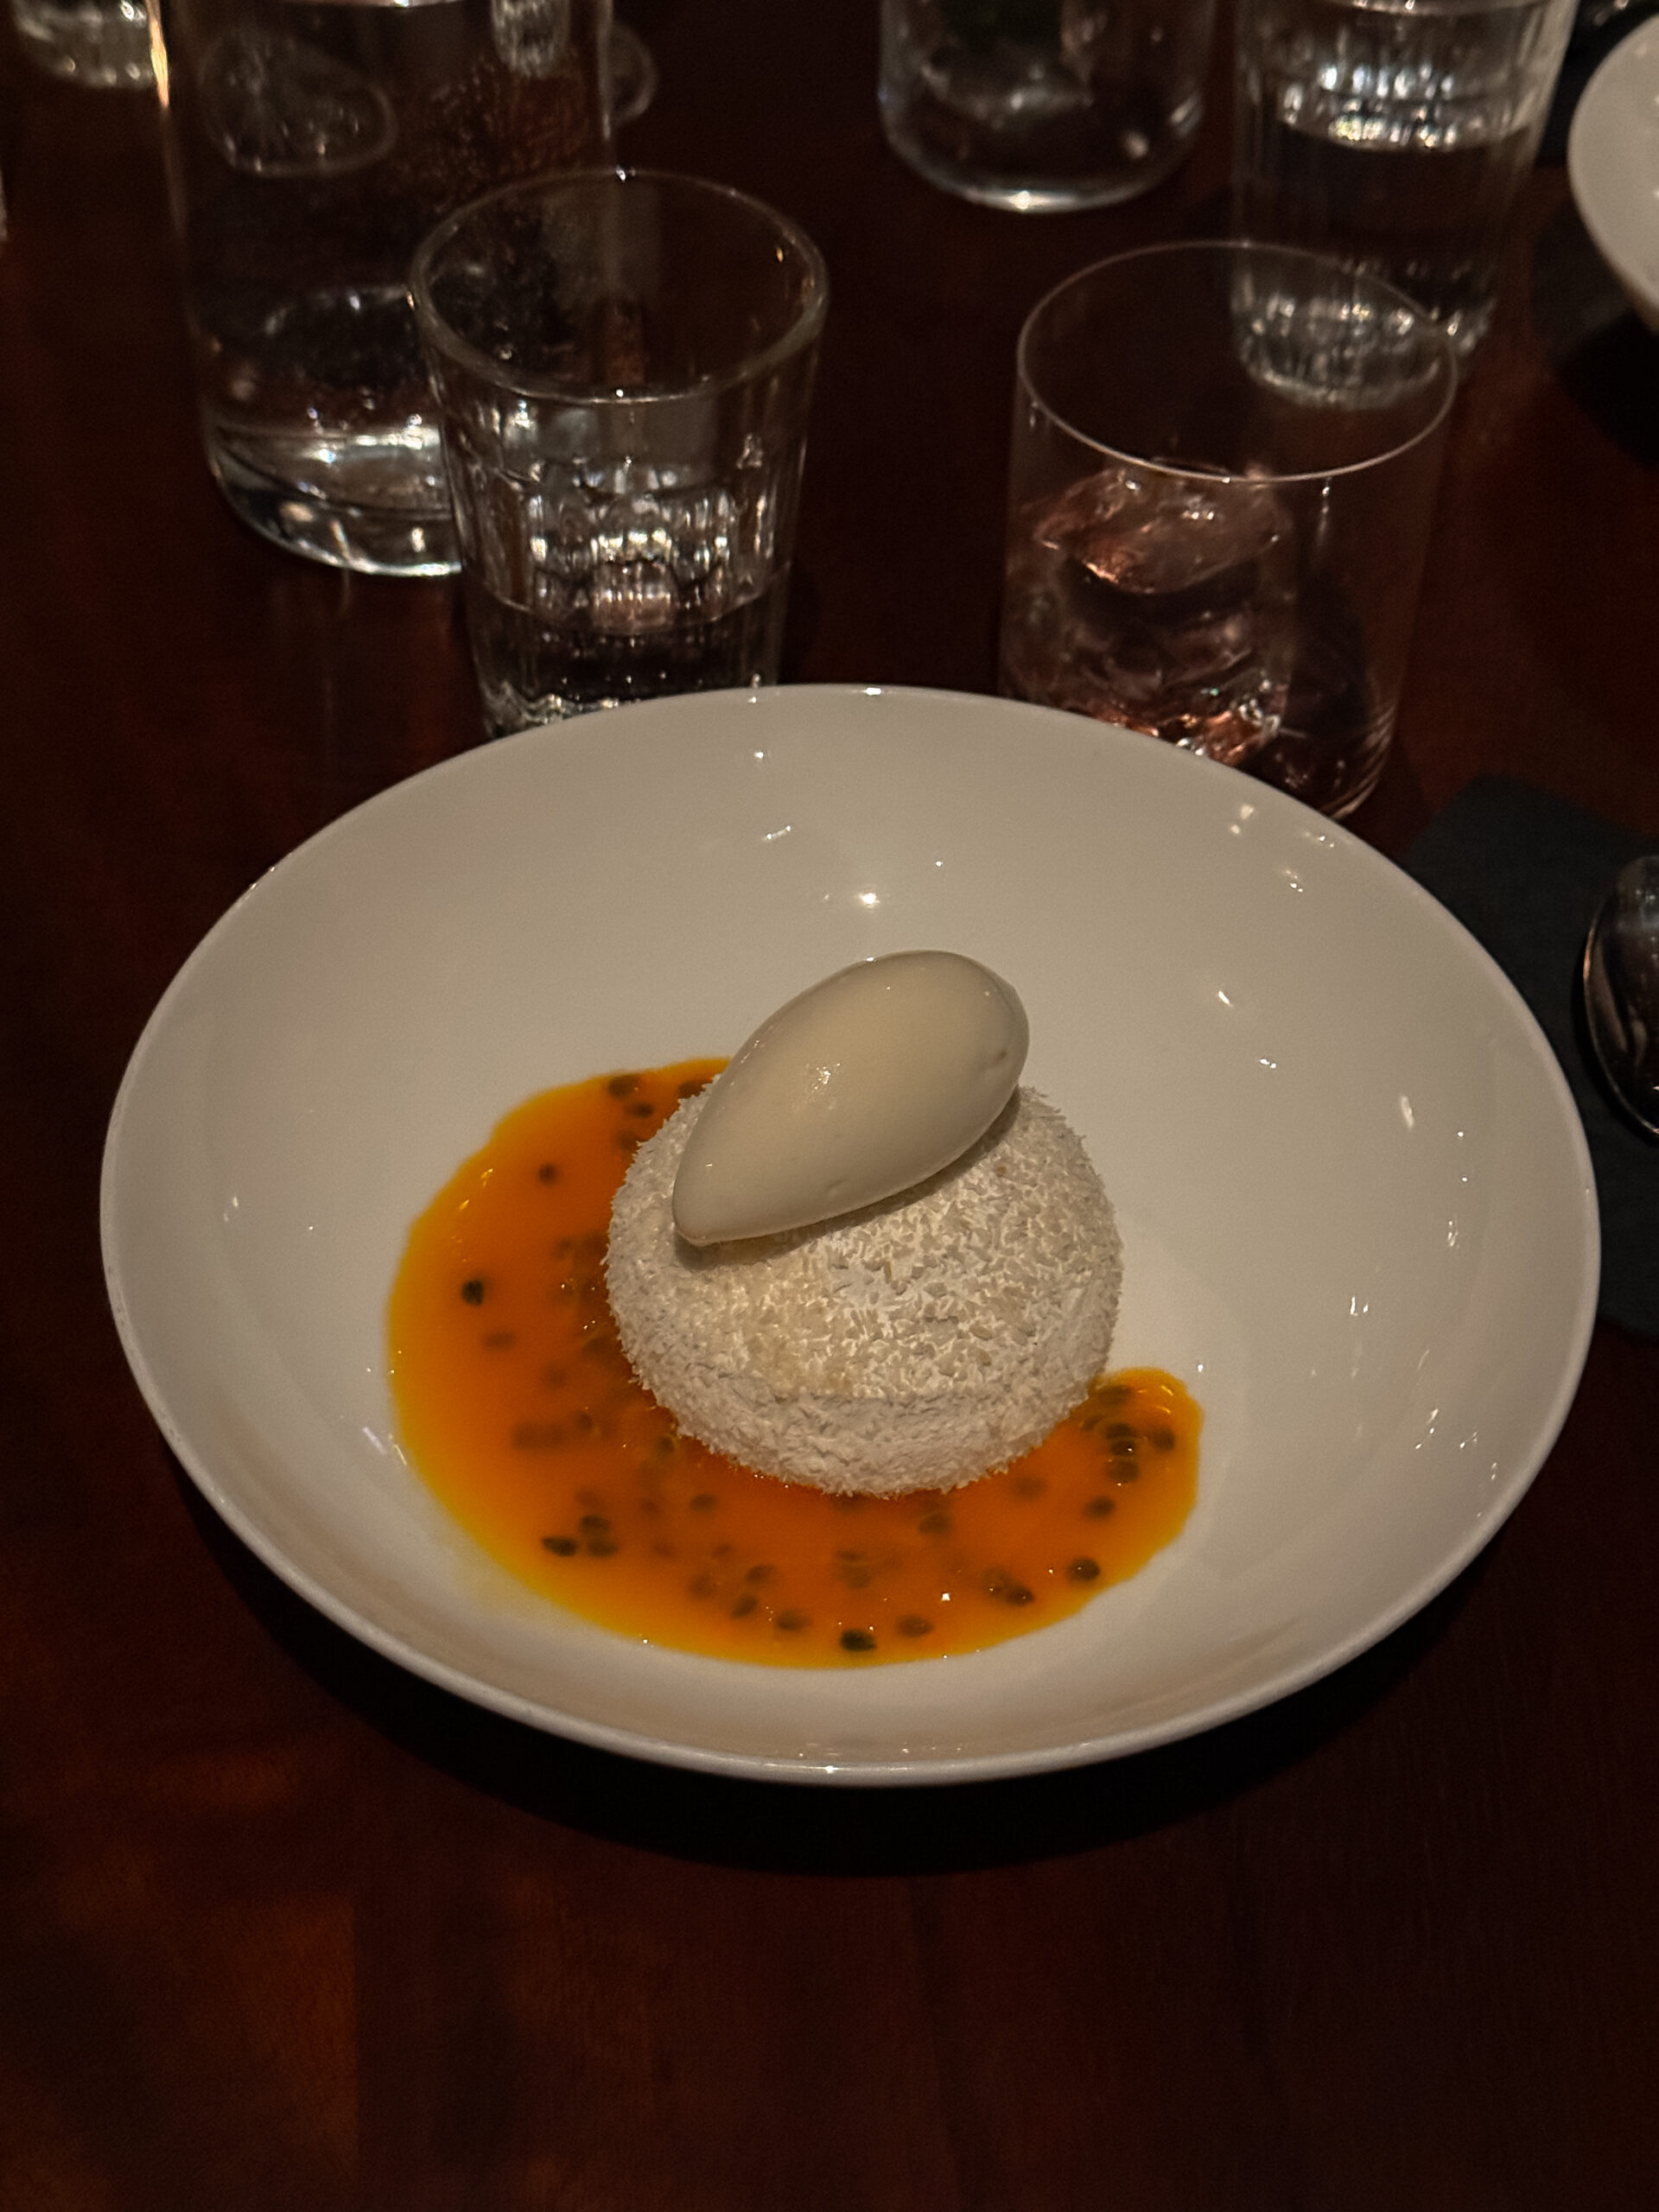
(1224, 473)
(624, 365)
(1043, 105)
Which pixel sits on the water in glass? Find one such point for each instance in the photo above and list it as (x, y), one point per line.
(1396, 134)
(310, 148)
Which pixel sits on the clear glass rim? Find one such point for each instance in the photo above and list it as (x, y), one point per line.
(1236, 250)
(802, 332)
(1442, 8)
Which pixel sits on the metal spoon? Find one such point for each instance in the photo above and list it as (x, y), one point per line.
(1620, 989)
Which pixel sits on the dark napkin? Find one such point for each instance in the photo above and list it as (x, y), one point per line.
(1525, 873)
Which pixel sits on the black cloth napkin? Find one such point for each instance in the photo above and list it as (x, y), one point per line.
(1525, 873)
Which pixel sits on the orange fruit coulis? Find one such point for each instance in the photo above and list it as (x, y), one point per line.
(517, 1407)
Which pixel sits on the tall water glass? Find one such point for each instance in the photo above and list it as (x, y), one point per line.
(310, 145)
(625, 364)
(1042, 104)
(1396, 134)
(1223, 473)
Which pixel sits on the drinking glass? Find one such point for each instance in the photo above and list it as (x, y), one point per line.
(1223, 472)
(624, 365)
(309, 148)
(1043, 104)
(1396, 134)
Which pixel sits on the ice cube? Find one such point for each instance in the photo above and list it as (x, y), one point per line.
(1155, 534)
(1160, 600)
(277, 107)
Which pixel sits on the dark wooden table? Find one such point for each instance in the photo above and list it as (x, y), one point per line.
(283, 1927)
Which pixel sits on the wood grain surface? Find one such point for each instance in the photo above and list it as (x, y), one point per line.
(286, 1930)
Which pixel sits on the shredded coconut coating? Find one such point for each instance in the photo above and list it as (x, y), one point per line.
(915, 1344)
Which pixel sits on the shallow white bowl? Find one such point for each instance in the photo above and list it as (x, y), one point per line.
(1612, 163)
(1357, 1210)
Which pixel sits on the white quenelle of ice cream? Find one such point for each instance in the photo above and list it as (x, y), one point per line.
(860, 1087)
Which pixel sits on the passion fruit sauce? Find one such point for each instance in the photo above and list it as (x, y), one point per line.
(517, 1406)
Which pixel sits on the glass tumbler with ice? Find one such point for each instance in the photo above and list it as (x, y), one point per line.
(1224, 462)
(624, 365)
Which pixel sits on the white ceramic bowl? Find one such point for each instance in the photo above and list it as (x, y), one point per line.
(1613, 163)
(1357, 1210)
